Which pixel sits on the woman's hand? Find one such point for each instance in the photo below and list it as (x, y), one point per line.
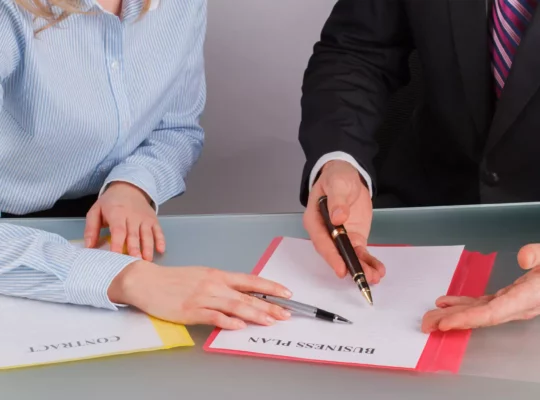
(197, 295)
(132, 221)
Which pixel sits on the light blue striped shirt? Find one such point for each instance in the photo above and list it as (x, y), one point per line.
(92, 100)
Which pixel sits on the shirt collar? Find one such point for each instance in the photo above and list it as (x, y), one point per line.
(87, 5)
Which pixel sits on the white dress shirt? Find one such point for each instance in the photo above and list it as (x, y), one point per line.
(339, 155)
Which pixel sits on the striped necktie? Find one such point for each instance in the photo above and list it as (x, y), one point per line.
(510, 19)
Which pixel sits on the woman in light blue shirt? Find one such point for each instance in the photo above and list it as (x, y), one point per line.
(99, 113)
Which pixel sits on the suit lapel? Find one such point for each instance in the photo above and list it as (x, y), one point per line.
(522, 82)
(469, 20)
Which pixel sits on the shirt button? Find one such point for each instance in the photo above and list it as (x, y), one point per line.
(115, 65)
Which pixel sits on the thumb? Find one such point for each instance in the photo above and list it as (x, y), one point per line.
(529, 256)
(341, 195)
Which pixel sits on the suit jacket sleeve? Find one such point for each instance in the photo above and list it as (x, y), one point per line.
(360, 59)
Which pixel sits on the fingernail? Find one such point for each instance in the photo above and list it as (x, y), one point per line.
(285, 314)
(87, 242)
(287, 293)
(270, 320)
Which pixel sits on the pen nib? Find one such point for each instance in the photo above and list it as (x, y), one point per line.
(367, 295)
(341, 319)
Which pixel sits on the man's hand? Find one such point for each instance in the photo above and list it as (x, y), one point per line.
(198, 295)
(132, 221)
(519, 301)
(349, 204)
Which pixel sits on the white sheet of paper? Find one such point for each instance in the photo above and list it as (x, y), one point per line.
(36, 332)
(385, 334)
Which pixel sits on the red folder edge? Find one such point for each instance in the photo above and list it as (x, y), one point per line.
(444, 351)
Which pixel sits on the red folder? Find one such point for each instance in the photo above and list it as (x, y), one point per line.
(444, 351)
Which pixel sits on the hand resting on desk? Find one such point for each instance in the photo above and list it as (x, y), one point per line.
(519, 301)
(128, 213)
(197, 295)
(44, 266)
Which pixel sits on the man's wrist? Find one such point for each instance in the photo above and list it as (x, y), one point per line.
(331, 158)
(344, 164)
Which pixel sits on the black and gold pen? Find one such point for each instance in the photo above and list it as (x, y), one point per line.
(346, 250)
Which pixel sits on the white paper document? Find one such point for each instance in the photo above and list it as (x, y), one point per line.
(34, 332)
(385, 334)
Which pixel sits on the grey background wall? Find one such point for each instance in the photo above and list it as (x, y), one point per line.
(256, 53)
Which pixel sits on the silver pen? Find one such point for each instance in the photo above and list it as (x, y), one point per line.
(301, 308)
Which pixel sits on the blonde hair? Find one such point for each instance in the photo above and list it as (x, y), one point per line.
(41, 9)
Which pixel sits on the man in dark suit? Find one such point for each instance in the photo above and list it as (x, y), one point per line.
(474, 138)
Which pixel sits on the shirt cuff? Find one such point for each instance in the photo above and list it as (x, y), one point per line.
(91, 276)
(339, 155)
(137, 176)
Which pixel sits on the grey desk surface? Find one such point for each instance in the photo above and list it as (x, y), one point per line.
(500, 362)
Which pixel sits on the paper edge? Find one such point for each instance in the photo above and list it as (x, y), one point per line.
(92, 357)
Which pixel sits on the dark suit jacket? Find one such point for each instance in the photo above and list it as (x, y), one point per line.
(462, 147)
